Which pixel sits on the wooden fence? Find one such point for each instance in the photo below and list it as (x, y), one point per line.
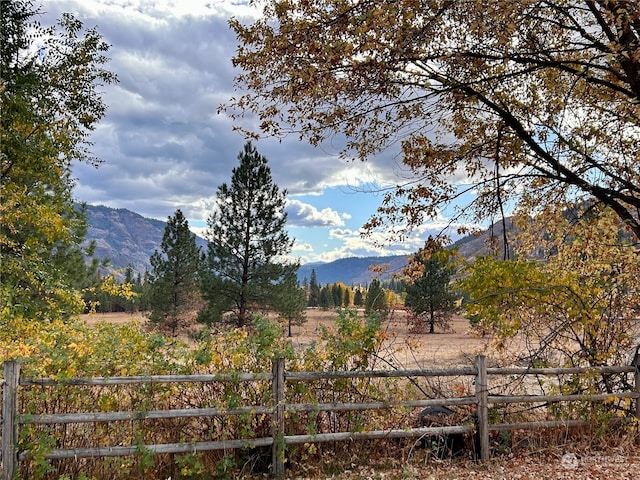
(279, 439)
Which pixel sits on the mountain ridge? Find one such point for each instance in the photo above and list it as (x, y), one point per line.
(125, 237)
(128, 238)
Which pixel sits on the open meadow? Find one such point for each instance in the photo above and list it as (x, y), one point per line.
(407, 349)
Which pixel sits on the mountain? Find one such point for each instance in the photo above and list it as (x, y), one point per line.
(127, 238)
(124, 237)
(353, 270)
(473, 246)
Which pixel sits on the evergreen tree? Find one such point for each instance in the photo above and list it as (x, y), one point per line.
(358, 299)
(314, 290)
(245, 237)
(128, 274)
(305, 287)
(325, 300)
(430, 294)
(375, 300)
(336, 293)
(291, 301)
(138, 290)
(174, 278)
(145, 290)
(347, 297)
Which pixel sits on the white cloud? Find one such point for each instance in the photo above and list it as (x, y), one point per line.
(302, 247)
(304, 215)
(157, 11)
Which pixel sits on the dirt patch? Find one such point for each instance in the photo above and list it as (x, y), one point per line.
(612, 464)
(118, 318)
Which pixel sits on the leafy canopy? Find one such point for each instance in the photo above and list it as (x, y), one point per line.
(578, 308)
(533, 100)
(50, 101)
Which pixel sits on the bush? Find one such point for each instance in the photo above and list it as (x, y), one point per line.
(62, 350)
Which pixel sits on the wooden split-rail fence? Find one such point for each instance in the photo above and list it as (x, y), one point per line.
(12, 419)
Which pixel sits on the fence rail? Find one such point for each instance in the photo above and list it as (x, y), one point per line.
(279, 439)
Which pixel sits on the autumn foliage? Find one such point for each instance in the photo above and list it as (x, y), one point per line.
(577, 304)
(73, 349)
(533, 102)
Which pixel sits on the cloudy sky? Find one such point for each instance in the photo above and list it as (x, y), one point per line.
(164, 145)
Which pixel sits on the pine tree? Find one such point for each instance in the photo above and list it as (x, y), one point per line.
(145, 291)
(336, 293)
(245, 237)
(376, 299)
(347, 297)
(325, 299)
(430, 295)
(138, 289)
(291, 301)
(128, 274)
(314, 290)
(358, 300)
(174, 278)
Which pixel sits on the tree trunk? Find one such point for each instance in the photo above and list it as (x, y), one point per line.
(242, 313)
(432, 320)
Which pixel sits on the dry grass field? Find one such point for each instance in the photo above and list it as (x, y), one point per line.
(458, 346)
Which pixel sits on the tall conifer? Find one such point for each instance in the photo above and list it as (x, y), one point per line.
(246, 239)
(174, 278)
(314, 290)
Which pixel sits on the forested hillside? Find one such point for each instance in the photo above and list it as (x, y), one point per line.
(127, 238)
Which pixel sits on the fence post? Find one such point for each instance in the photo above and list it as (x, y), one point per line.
(482, 394)
(278, 449)
(636, 377)
(9, 415)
